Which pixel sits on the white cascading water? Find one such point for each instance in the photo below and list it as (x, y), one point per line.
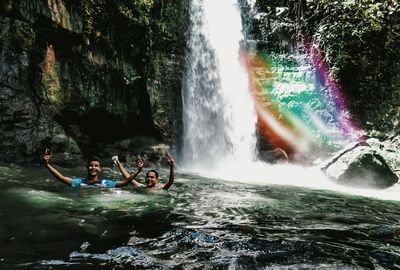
(219, 118)
(218, 112)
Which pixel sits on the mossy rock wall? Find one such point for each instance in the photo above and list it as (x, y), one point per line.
(78, 76)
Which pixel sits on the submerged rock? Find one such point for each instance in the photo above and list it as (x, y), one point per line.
(360, 165)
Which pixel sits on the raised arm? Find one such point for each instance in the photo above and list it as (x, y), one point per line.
(130, 178)
(57, 174)
(171, 173)
(140, 164)
(122, 169)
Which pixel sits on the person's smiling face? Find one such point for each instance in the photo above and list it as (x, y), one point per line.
(93, 168)
(151, 179)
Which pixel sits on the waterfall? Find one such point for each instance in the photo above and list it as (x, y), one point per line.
(294, 102)
(218, 112)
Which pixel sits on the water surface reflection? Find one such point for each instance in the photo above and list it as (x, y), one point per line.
(199, 223)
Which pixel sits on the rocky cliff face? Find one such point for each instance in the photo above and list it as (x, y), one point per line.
(104, 77)
(89, 77)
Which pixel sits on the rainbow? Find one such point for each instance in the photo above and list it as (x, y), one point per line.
(300, 107)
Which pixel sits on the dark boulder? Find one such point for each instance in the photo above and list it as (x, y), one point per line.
(360, 165)
(273, 156)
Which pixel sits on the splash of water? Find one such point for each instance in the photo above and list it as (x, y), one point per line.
(298, 111)
(290, 104)
(219, 119)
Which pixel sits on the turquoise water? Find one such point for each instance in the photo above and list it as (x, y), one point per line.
(199, 223)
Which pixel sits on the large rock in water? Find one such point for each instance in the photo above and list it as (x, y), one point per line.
(360, 165)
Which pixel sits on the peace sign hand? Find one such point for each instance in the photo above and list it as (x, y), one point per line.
(140, 163)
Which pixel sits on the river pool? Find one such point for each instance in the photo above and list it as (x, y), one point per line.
(200, 223)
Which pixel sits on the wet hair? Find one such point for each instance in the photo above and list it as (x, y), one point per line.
(154, 171)
(92, 159)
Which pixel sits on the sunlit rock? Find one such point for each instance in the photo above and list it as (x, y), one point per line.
(59, 14)
(391, 147)
(360, 165)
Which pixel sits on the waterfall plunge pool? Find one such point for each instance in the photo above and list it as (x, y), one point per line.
(200, 223)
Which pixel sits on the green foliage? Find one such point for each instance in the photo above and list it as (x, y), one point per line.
(108, 15)
(342, 28)
(168, 26)
(21, 38)
(360, 40)
(136, 12)
(139, 24)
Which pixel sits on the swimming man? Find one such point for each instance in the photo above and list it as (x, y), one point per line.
(151, 175)
(93, 179)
